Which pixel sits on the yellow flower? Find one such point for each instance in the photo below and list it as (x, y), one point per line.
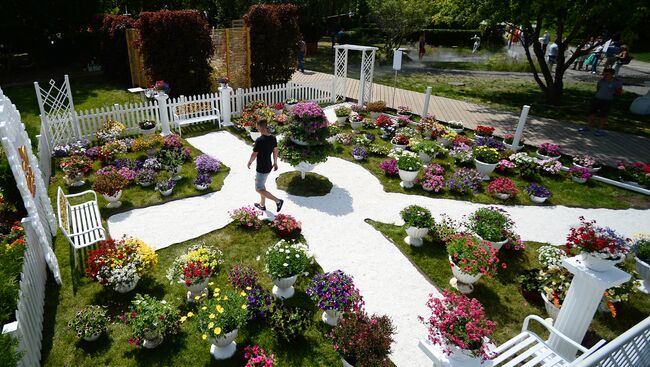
(197, 298)
(217, 290)
(190, 314)
(243, 294)
(244, 307)
(248, 288)
(204, 308)
(225, 298)
(212, 316)
(220, 309)
(183, 318)
(217, 331)
(211, 283)
(204, 336)
(211, 325)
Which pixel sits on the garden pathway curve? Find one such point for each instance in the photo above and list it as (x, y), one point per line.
(334, 227)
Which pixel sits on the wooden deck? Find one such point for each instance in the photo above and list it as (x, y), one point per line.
(611, 148)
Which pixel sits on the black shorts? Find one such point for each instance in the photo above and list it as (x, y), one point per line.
(600, 107)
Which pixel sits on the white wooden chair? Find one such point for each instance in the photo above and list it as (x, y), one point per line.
(524, 350)
(81, 224)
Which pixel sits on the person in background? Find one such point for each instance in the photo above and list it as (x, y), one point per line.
(623, 58)
(545, 40)
(477, 43)
(610, 55)
(595, 56)
(421, 46)
(265, 146)
(302, 48)
(333, 38)
(580, 60)
(340, 35)
(552, 55)
(607, 88)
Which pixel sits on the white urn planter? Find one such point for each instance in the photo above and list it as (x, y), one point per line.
(502, 196)
(153, 342)
(415, 235)
(460, 355)
(283, 287)
(147, 132)
(512, 147)
(196, 289)
(358, 157)
(407, 178)
(341, 120)
(254, 135)
(166, 192)
(304, 167)
(126, 288)
(223, 347)
(579, 180)
(598, 262)
(399, 146)
(537, 199)
(643, 269)
(425, 158)
(75, 181)
(551, 309)
(114, 200)
(345, 363)
(461, 280)
(299, 142)
(331, 317)
(495, 245)
(92, 338)
(356, 125)
(201, 187)
(146, 184)
(545, 157)
(485, 169)
(176, 172)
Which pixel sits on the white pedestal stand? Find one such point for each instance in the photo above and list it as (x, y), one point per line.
(224, 96)
(164, 116)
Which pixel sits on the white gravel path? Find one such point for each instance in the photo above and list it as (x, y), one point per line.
(335, 230)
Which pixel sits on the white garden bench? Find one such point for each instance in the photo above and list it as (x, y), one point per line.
(524, 350)
(81, 224)
(187, 113)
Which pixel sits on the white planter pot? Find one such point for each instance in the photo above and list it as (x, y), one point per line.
(223, 347)
(551, 309)
(304, 167)
(358, 157)
(425, 158)
(374, 115)
(127, 287)
(445, 142)
(485, 169)
(166, 192)
(537, 199)
(579, 180)
(643, 269)
(176, 172)
(283, 287)
(201, 187)
(544, 157)
(407, 178)
(152, 343)
(331, 317)
(502, 196)
(341, 120)
(460, 355)
(356, 125)
(591, 169)
(464, 282)
(255, 134)
(92, 338)
(495, 245)
(146, 184)
(151, 152)
(415, 236)
(345, 363)
(113, 201)
(147, 131)
(299, 142)
(399, 146)
(289, 107)
(74, 181)
(196, 289)
(597, 262)
(512, 147)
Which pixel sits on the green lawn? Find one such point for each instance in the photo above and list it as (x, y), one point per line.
(500, 295)
(641, 56)
(312, 185)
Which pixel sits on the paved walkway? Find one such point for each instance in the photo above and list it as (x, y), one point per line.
(612, 148)
(335, 230)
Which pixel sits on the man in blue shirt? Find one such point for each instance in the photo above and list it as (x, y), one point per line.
(607, 88)
(265, 146)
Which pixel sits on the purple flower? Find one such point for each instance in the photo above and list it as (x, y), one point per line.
(92, 153)
(465, 181)
(203, 180)
(389, 166)
(359, 152)
(538, 190)
(490, 142)
(206, 164)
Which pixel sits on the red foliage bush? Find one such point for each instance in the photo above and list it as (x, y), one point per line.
(113, 49)
(274, 37)
(176, 46)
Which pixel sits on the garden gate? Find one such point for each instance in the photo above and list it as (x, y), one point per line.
(341, 72)
(57, 111)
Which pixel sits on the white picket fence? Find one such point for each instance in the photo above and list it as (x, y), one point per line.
(320, 92)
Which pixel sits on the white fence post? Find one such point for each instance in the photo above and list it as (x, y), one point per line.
(225, 93)
(164, 113)
(427, 97)
(520, 126)
(290, 87)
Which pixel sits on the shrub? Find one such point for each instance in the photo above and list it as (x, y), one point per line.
(89, 321)
(274, 34)
(284, 259)
(113, 47)
(408, 161)
(288, 323)
(9, 354)
(362, 340)
(176, 46)
(150, 319)
(377, 106)
(491, 224)
(256, 357)
(417, 216)
(342, 111)
(551, 255)
(242, 276)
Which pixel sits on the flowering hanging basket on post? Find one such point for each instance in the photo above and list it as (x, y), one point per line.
(600, 248)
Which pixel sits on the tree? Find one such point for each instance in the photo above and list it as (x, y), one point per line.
(399, 18)
(572, 23)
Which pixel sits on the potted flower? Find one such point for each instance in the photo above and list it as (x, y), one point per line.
(376, 108)
(530, 285)
(110, 186)
(145, 177)
(409, 165)
(538, 193)
(462, 154)
(486, 160)
(359, 153)
(445, 138)
(150, 321)
(206, 164)
(508, 140)
(550, 166)
(459, 325)
(90, 322)
(587, 161)
(484, 130)
(635, 174)
(278, 108)
(433, 180)
(579, 174)
(417, 221)
(334, 293)
(555, 282)
(465, 181)
(219, 319)
(194, 268)
(202, 181)
(427, 150)
(642, 250)
(356, 121)
(400, 141)
(456, 126)
(286, 226)
(223, 81)
(342, 114)
(404, 110)
(548, 151)
(502, 188)
(110, 131)
(147, 127)
(363, 340)
(74, 167)
(247, 217)
(289, 103)
(389, 167)
(256, 357)
(284, 261)
(600, 248)
(172, 160)
(165, 184)
(492, 225)
(120, 264)
(469, 260)
(383, 121)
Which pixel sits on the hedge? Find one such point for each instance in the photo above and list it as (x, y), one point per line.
(176, 46)
(113, 49)
(274, 34)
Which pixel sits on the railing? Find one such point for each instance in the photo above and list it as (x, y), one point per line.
(630, 349)
(315, 91)
(130, 114)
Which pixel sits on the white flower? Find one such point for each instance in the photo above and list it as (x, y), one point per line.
(297, 256)
(257, 258)
(285, 265)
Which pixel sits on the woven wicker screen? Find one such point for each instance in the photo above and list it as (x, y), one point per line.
(232, 55)
(136, 63)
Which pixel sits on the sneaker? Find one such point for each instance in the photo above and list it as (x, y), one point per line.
(279, 205)
(599, 132)
(258, 206)
(583, 129)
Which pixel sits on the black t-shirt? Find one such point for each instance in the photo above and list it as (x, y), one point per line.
(264, 146)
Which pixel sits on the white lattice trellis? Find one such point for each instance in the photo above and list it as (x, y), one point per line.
(24, 166)
(341, 71)
(57, 111)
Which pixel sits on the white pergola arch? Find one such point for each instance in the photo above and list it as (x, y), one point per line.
(341, 72)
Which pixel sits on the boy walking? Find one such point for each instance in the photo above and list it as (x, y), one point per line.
(606, 89)
(265, 146)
